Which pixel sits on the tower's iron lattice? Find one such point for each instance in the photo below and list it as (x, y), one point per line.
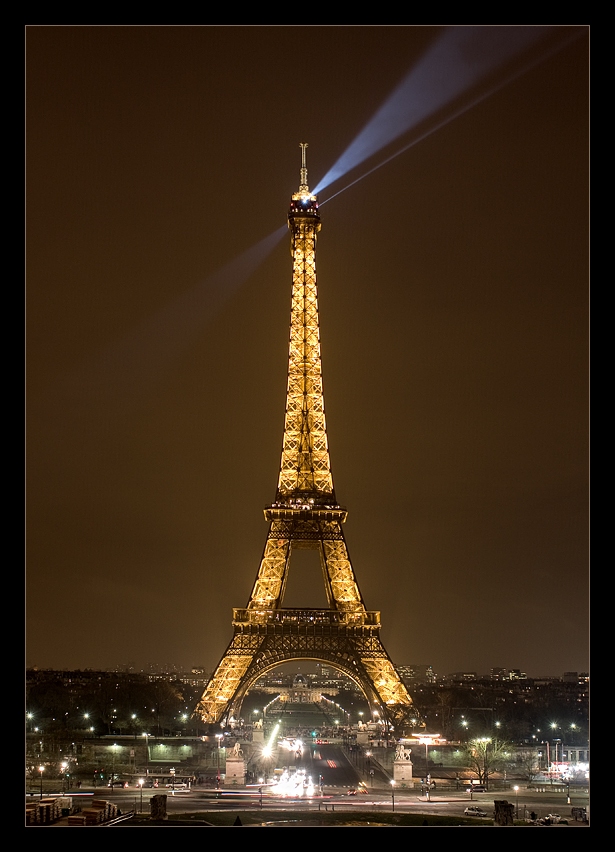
(305, 514)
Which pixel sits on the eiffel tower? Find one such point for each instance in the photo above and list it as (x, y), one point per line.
(305, 514)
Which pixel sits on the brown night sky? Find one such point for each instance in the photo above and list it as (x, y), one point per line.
(453, 287)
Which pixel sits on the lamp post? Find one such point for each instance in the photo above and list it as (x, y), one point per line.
(427, 740)
(147, 736)
(113, 748)
(486, 741)
(516, 789)
(41, 769)
(393, 794)
(218, 737)
(559, 761)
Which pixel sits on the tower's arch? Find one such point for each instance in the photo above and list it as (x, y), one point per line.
(344, 666)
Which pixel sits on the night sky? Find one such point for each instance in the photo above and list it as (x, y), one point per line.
(453, 291)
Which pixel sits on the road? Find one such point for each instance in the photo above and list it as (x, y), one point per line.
(452, 804)
(332, 777)
(329, 767)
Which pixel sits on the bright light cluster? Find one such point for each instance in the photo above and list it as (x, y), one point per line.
(292, 744)
(294, 784)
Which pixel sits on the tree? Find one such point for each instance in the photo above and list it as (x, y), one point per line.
(528, 764)
(485, 756)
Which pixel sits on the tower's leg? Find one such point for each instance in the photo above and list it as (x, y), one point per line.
(227, 678)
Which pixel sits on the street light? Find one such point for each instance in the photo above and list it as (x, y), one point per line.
(113, 748)
(393, 793)
(41, 769)
(147, 736)
(427, 740)
(218, 737)
(516, 789)
(486, 741)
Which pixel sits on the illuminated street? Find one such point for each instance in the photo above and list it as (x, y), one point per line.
(285, 798)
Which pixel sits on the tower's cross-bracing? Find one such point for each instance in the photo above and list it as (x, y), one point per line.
(305, 514)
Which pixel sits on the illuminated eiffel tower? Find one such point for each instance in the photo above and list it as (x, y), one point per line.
(305, 514)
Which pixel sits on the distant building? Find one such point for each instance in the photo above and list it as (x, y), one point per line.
(462, 676)
(300, 692)
(416, 673)
(575, 677)
(507, 674)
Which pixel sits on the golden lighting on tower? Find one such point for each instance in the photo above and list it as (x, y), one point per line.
(304, 514)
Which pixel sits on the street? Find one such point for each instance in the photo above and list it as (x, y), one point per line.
(200, 800)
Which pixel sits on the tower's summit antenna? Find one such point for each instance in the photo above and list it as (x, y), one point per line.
(308, 202)
(303, 184)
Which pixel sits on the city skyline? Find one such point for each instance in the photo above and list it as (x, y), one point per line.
(309, 668)
(453, 314)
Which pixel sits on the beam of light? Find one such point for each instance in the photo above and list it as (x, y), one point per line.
(167, 334)
(268, 750)
(461, 59)
(134, 363)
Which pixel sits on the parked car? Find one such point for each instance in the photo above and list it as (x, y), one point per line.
(475, 812)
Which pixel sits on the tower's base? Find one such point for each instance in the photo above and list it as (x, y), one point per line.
(350, 642)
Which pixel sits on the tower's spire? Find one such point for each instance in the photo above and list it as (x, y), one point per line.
(305, 471)
(303, 194)
(303, 183)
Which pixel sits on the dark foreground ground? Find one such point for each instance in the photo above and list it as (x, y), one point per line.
(301, 819)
